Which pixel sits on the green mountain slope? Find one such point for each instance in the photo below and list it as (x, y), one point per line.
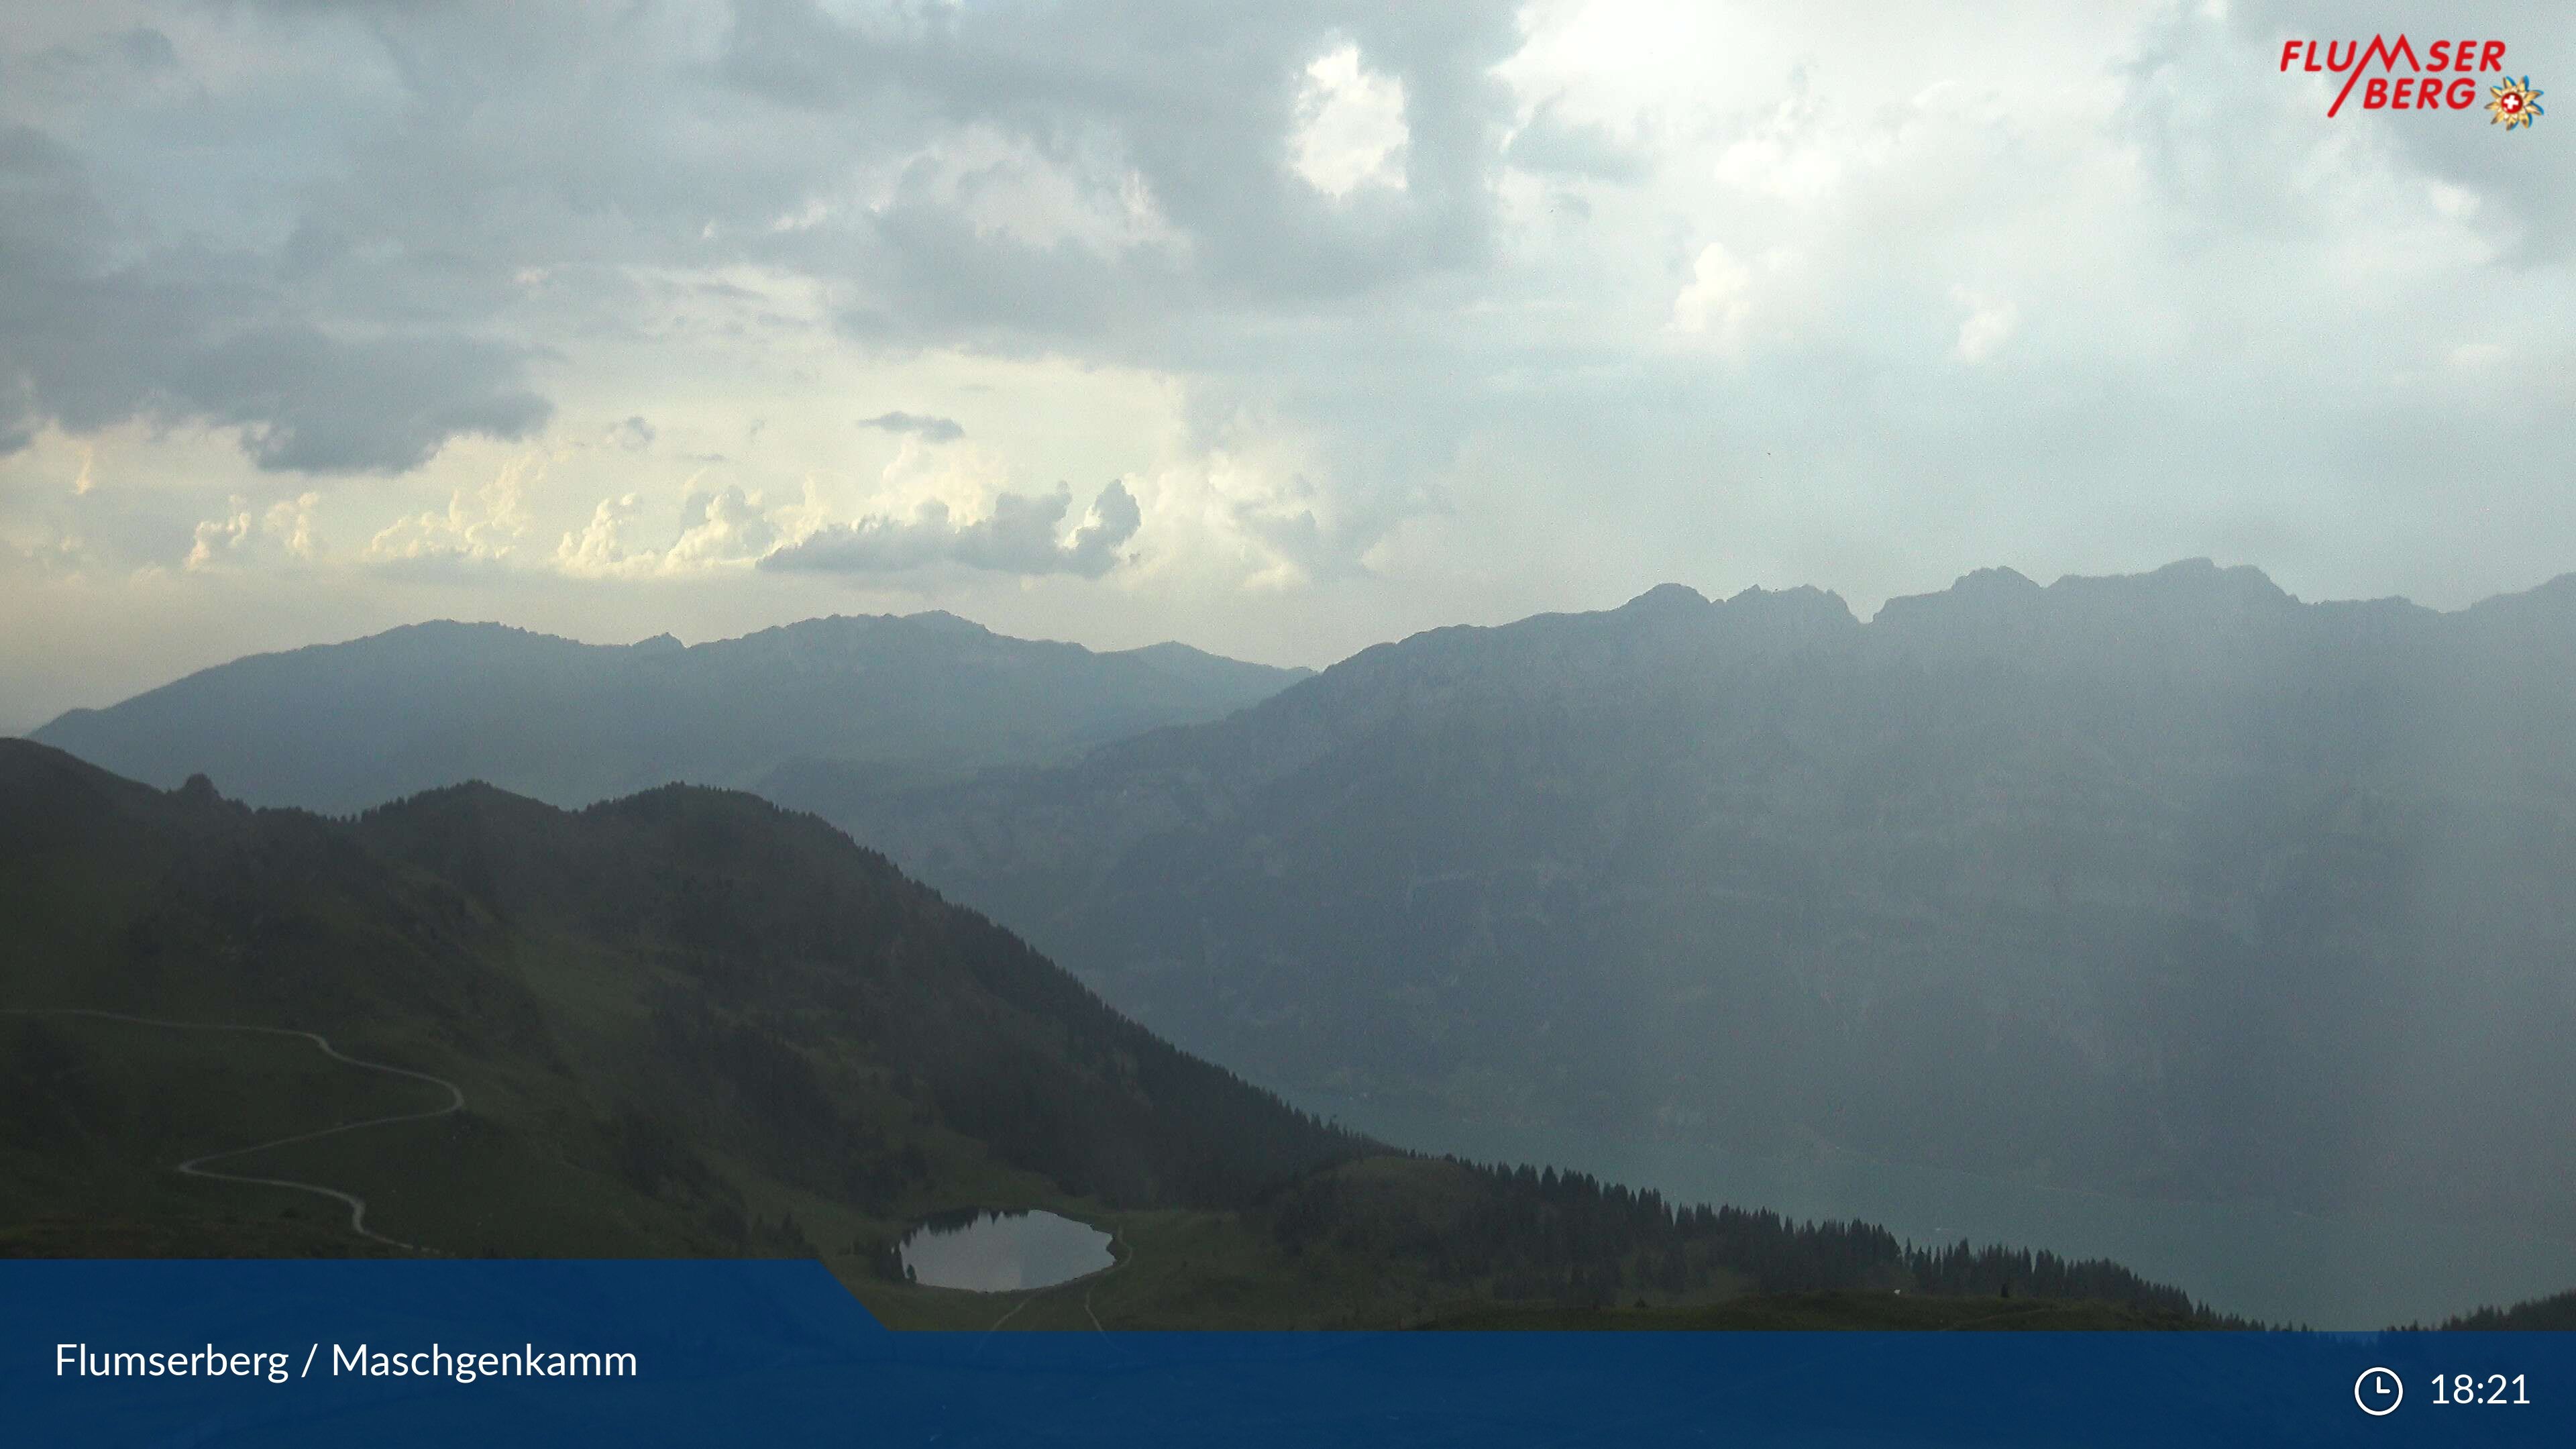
(807, 711)
(689, 1022)
(674, 1018)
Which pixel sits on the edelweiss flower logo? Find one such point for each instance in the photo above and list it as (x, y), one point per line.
(2515, 103)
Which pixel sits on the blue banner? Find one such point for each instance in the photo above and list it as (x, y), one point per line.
(492, 1354)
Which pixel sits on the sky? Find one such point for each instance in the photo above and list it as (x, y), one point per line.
(1277, 329)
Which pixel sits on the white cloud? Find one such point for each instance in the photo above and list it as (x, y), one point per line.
(290, 520)
(1991, 322)
(600, 549)
(1719, 299)
(1792, 155)
(720, 526)
(1351, 129)
(481, 527)
(1719, 292)
(1021, 534)
(242, 533)
(1382, 319)
(220, 537)
(1252, 505)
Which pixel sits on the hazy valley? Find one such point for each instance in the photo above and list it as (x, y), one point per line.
(2162, 885)
(690, 1023)
(2163, 888)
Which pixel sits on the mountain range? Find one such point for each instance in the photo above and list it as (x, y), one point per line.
(2165, 885)
(811, 711)
(689, 1022)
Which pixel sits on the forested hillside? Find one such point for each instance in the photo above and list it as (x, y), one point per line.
(689, 1022)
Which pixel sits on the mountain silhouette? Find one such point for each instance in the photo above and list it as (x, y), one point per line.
(2166, 883)
(828, 706)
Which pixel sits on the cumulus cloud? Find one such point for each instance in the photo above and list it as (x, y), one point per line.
(479, 529)
(244, 532)
(600, 548)
(719, 528)
(220, 535)
(918, 425)
(1458, 310)
(1022, 534)
(1718, 299)
(1350, 126)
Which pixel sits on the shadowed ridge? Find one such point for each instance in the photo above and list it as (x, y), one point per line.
(1186, 662)
(1792, 616)
(808, 712)
(2193, 583)
(941, 619)
(2544, 609)
(2000, 850)
(1665, 598)
(2191, 616)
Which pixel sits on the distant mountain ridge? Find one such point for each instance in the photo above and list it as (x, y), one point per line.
(836, 703)
(2164, 884)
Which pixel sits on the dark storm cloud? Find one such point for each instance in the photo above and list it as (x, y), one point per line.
(1021, 536)
(639, 138)
(928, 278)
(191, 334)
(311, 403)
(343, 255)
(928, 429)
(450, 154)
(1199, 101)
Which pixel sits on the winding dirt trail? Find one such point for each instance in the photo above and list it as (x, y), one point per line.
(196, 1166)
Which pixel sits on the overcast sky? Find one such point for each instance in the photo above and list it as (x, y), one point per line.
(1279, 328)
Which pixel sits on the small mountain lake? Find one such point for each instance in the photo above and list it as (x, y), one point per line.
(1002, 1252)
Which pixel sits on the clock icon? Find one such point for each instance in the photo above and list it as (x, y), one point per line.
(2378, 1391)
